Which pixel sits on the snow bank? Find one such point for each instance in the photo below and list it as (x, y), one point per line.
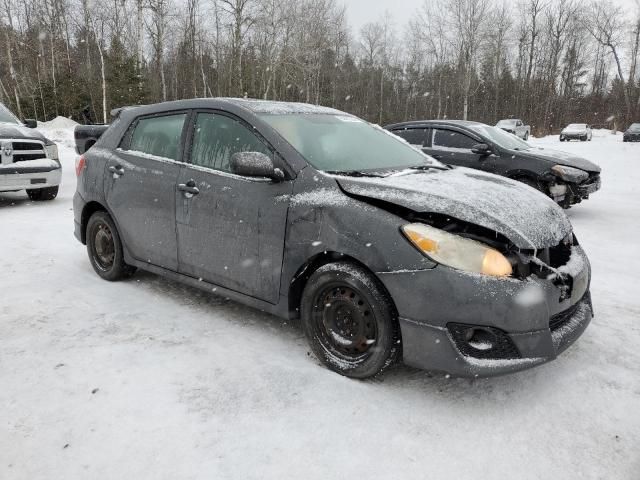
(60, 130)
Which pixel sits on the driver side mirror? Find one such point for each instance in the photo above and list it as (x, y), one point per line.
(30, 123)
(482, 149)
(255, 164)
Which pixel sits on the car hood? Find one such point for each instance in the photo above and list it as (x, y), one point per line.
(11, 130)
(559, 158)
(520, 213)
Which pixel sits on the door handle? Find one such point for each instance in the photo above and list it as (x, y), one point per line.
(117, 170)
(189, 189)
(437, 156)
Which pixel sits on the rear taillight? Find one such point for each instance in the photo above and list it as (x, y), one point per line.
(80, 164)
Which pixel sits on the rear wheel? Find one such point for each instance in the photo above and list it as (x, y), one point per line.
(526, 136)
(42, 194)
(105, 249)
(349, 321)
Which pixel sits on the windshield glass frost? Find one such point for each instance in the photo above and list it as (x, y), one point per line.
(6, 116)
(336, 143)
(501, 138)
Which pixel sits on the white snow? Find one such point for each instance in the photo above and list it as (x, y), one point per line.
(60, 130)
(148, 379)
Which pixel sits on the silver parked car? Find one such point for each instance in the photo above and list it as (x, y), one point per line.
(515, 126)
(577, 131)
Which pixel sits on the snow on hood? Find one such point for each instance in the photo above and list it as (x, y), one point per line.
(523, 215)
(12, 130)
(561, 158)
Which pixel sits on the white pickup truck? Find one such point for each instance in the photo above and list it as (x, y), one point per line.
(28, 160)
(515, 126)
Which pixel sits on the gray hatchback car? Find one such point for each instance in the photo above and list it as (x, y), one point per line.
(313, 214)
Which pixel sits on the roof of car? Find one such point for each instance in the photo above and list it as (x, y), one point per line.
(253, 105)
(417, 123)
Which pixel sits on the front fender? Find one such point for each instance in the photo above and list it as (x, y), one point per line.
(322, 218)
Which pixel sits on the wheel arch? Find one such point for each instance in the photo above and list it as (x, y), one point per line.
(89, 209)
(300, 279)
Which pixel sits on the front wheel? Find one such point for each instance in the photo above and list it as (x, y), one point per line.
(526, 137)
(349, 321)
(42, 194)
(105, 249)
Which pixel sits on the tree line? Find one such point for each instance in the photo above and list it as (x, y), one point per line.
(549, 62)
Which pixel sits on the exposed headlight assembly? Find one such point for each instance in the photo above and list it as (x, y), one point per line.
(570, 174)
(51, 151)
(456, 251)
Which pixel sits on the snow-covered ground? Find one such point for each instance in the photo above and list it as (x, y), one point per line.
(147, 379)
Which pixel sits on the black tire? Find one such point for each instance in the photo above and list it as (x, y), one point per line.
(105, 248)
(42, 194)
(349, 321)
(562, 139)
(526, 137)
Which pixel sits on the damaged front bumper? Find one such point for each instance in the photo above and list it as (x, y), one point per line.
(472, 325)
(567, 194)
(31, 174)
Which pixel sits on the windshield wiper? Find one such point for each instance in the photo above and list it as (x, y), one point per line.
(430, 167)
(356, 173)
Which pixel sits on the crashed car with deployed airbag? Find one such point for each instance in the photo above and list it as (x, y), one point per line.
(309, 213)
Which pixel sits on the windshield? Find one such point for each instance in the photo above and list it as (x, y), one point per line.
(340, 143)
(506, 123)
(635, 126)
(577, 126)
(6, 116)
(501, 138)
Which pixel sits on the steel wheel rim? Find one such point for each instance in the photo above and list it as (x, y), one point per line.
(344, 322)
(104, 250)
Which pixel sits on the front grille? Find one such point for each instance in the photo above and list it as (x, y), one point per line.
(13, 151)
(21, 157)
(503, 349)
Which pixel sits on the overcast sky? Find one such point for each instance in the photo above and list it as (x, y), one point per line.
(363, 11)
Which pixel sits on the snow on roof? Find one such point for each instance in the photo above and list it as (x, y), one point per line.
(283, 108)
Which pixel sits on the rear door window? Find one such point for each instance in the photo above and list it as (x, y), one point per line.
(158, 136)
(451, 140)
(415, 136)
(217, 137)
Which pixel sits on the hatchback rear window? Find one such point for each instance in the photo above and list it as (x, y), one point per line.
(158, 136)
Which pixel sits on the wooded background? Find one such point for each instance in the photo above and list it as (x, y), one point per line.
(549, 62)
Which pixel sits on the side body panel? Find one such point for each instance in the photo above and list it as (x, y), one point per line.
(142, 199)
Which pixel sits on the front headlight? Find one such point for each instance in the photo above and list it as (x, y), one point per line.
(570, 174)
(51, 151)
(456, 251)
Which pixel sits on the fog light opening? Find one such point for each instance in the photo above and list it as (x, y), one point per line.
(480, 339)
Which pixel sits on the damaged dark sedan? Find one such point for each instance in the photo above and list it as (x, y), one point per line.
(565, 178)
(383, 253)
